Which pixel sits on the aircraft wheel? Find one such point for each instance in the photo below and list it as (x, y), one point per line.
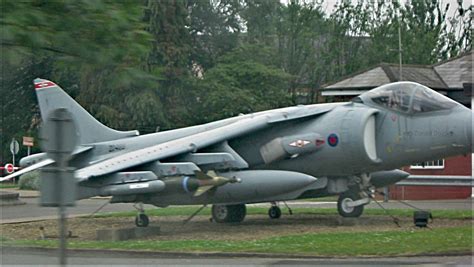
(229, 213)
(274, 212)
(346, 211)
(142, 220)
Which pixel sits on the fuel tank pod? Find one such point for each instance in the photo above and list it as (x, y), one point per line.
(133, 188)
(260, 185)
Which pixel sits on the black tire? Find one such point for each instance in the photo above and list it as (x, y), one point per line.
(349, 212)
(274, 212)
(142, 220)
(229, 213)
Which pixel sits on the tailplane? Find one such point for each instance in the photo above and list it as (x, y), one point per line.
(51, 97)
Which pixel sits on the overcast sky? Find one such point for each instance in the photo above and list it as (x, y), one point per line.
(328, 5)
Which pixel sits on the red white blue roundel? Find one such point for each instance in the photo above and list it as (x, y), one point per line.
(333, 139)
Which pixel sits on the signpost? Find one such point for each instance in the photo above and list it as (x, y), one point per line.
(14, 148)
(9, 168)
(28, 142)
(58, 186)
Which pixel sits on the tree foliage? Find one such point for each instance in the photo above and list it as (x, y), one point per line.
(143, 64)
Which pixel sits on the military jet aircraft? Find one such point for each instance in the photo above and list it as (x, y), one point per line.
(290, 153)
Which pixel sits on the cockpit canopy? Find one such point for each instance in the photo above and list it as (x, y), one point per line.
(407, 97)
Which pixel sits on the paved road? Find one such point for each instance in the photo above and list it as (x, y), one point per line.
(31, 211)
(27, 256)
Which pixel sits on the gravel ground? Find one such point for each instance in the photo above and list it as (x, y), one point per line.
(254, 226)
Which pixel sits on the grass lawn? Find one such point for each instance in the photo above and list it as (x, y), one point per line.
(188, 210)
(386, 243)
(405, 241)
(8, 185)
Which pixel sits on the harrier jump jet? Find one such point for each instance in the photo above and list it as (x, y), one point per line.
(297, 152)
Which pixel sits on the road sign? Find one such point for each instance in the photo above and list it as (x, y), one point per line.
(28, 141)
(9, 168)
(59, 136)
(14, 147)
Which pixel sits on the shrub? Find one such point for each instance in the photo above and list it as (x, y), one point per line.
(29, 181)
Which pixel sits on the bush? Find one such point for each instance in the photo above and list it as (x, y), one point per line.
(29, 181)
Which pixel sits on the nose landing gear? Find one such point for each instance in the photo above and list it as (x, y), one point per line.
(351, 205)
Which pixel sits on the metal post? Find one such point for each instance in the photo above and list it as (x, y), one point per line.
(58, 186)
(400, 75)
(385, 194)
(61, 208)
(62, 223)
(28, 150)
(16, 180)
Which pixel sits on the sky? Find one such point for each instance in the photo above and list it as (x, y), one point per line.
(328, 5)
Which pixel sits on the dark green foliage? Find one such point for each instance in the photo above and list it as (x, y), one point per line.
(244, 81)
(143, 64)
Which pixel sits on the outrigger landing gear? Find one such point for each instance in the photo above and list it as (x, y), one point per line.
(141, 220)
(274, 212)
(229, 213)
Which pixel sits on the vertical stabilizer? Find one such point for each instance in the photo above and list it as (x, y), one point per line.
(51, 97)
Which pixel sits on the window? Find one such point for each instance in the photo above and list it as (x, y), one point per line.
(428, 100)
(408, 97)
(434, 164)
(395, 97)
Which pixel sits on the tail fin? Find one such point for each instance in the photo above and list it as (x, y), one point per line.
(51, 97)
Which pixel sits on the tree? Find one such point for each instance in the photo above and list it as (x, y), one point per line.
(215, 28)
(300, 30)
(89, 46)
(368, 33)
(244, 81)
(261, 18)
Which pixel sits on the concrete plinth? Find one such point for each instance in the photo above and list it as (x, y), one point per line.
(126, 233)
(10, 198)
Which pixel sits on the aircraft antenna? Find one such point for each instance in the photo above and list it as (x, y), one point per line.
(400, 76)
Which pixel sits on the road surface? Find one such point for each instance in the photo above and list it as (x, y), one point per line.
(28, 256)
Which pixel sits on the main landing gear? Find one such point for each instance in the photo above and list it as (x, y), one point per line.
(236, 213)
(141, 220)
(229, 213)
(351, 204)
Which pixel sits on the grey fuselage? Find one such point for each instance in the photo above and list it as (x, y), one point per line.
(346, 139)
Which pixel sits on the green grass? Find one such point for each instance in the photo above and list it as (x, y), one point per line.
(188, 210)
(388, 243)
(8, 185)
(323, 199)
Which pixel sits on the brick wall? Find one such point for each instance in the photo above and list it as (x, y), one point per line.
(460, 165)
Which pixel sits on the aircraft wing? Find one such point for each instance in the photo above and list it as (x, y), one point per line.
(194, 142)
(33, 167)
(172, 148)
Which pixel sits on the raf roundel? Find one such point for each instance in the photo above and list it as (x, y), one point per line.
(333, 140)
